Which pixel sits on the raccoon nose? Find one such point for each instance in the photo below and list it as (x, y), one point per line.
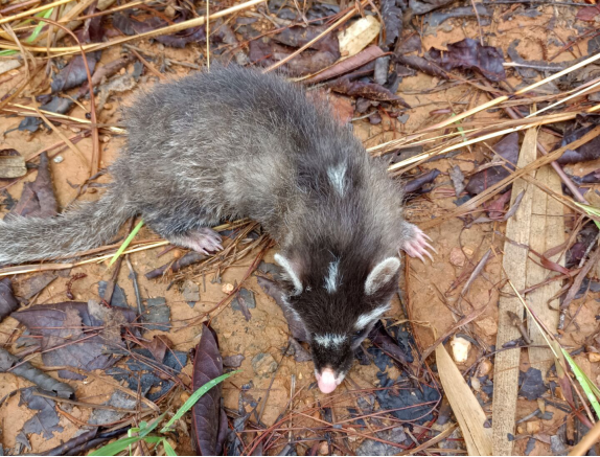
(327, 380)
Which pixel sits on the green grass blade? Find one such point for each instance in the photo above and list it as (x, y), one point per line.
(38, 28)
(127, 242)
(458, 127)
(590, 210)
(584, 382)
(168, 448)
(122, 444)
(194, 398)
(148, 428)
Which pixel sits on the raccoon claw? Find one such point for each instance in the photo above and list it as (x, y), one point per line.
(203, 240)
(417, 245)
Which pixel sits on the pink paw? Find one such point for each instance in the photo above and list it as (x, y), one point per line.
(202, 240)
(417, 245)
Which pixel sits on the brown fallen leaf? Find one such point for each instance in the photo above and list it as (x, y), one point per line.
(158, 347)
(66, 330)
(392, 20)
(508, 148)
(8, 302)
(421, 64)
(587, 152)
(74, 74)
(345, 66)
(37, 199)
(209, 423)
(588, 14)
(297, 37)
(470, 54)
(131, 26)
(371, 91)
(417, 185)
(495, 208)
(33, 285)
(27, 371)
(267, 53)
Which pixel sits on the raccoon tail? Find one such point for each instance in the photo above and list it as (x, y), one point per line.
(87, 226)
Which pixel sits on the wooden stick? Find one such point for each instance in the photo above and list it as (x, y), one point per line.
(587, 441)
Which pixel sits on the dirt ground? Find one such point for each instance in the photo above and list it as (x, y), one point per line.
(429, 286)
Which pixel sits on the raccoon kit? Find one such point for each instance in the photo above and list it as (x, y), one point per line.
(233, 143)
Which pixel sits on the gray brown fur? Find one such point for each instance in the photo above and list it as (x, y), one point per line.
(236, 143)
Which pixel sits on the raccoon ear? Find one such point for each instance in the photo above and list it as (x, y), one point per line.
(382, 274)
(290, 273)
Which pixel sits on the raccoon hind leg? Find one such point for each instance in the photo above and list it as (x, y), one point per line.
(202, 239)
(188, 229)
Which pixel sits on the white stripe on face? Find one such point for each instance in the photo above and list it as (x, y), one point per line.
(331, 280)
(337, 177)
(365, 319)
(330, 340)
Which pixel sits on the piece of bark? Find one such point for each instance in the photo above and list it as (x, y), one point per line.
(12, 164)
(469, 414)
(514, 262)
(547, 231)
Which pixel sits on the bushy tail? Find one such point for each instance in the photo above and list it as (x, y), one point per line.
(88, 226)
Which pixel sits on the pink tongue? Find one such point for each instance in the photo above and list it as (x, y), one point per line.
(326, 381)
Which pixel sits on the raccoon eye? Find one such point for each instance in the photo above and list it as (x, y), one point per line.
(360, 334)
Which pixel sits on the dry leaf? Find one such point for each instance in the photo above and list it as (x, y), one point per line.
(466, 408)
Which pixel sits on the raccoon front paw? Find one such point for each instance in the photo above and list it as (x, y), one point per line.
(417, 245)
(203, 240)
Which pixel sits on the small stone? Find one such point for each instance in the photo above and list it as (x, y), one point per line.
(170, 12)
(58, 159)
(485, 367)
(460, 349)
(593, 357)
(190, 292)
(323, 448)
(105, 138)
(541, 405)
(233, 361)
(184, 396)
(533, 426)
(457, 258)
(108, 106)
(475, 384)
(264, 364)
(227, 288)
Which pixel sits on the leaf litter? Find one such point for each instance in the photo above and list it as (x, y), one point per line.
(378, 87)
